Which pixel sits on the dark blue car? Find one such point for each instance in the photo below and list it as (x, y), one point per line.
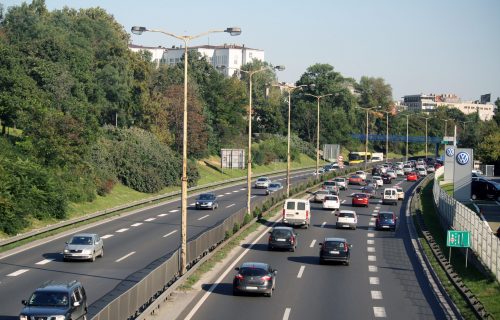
(386, 221)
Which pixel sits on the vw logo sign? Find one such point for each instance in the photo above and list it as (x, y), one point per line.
(450, 152)
(463, 158)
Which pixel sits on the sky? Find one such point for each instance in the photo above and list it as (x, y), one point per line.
(425, 46)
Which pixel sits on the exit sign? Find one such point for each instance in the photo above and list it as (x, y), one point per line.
(459, 239)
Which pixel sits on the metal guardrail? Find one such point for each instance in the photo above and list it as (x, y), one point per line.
(455, 215)
(135, 298)
(133, 204)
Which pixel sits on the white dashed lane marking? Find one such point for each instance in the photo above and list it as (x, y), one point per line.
(163, 214)
(242, 189)
(125, 256)
(136, 224)
(44, 261)
(370, 241)
(192, 204)
(228, 193)
(370, 234)
(287, 313)
(370, 249)
(205, 216)
(312, 243)
(371, 223)
(236, 191)
(379, 312)
(229, 206)
(301, 271)
(170, 233)
(122, 230)
(374, 280)
(106, 236)
(343, 201)
(372, 258)
(372, 268)
(18, 272)
(172, 211)
(323, 224)
(252, 197)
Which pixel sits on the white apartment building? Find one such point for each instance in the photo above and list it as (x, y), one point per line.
(485, 111)
(419, 102)
(156, 52)
(230, 56)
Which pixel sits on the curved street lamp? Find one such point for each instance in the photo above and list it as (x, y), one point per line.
(317, 130)
(250, 112)
(234, 31)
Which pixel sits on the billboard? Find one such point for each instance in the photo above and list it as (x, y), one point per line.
(232, 158)
(449, 156)
(485, 98)
(462, 175)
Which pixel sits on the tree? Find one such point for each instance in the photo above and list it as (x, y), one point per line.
(374, 92)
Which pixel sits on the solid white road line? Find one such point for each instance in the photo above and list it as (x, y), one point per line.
(312, 243)
(370, 234)
(44, 261)
(106, 236)
(136, 224)
(370, 241)
(18, 272)
(372, 268)
(172, 211)
(323, 224)
(301, 271)
(229, 206)
(287, 313)
(170, 233)
(163, 214)
(372, 258)
(370, 249)
(224, 274)
(374, 280)
(379, 312)
(204, 217)
(122, 230)
(125, 256)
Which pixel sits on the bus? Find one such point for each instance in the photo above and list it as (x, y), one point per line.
(359, 157)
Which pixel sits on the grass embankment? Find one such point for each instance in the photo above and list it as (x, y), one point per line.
(448, 188)
(486, 289)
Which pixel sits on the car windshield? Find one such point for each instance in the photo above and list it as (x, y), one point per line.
(323, 192)
(355, 177)
(334, 245)
(45, 298)
(360, 195)
(329, 183)
(81, 240)
(206, 197)
(386, 216)
(333, 198)
(280, 233)
(252, 272)
(346, 214)
(262, 179)
(274, 185)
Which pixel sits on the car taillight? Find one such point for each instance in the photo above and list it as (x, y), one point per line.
(292, 239)
(266, 278)
(239, 277)
(345, 246)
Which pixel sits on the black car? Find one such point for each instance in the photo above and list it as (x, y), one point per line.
(386, 179)
(485, 189)
(335, 249)
(369, 190)
(207, 201)
(282, 238)
(254, 277)
(66, 300)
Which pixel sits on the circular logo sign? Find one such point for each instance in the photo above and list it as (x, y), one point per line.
(450, 152)
(463, 158)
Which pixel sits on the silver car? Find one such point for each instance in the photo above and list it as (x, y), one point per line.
(84, 246)
(262, 182)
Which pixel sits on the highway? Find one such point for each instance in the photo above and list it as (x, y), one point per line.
(131, 243)
(383, 280)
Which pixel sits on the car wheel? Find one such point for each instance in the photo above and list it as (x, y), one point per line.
(346, 262)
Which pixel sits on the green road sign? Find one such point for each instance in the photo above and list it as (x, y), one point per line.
(459, 239)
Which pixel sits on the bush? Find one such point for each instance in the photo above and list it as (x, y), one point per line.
(247, 219)
(236, 227)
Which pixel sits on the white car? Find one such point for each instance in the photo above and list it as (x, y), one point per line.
(400, 192)
(341, 183)
(320, 195)
(407, 168)
(431, 169)
(378, 180)
(347, 219)
(400, 165)
(399, 172)
(422, 172)
(362, 174)
(392, 174)
(331, 202)
(262, 182)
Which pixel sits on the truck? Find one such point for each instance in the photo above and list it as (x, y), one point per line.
(377, 156)
(331, 152)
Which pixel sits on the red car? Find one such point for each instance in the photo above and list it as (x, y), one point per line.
(355, 179)
(360, 199)
(412, 176)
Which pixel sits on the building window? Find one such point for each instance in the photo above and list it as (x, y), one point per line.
(250, 55)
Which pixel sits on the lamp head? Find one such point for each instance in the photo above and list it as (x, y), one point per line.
(279, 68)
(234, 31)
(138, 30)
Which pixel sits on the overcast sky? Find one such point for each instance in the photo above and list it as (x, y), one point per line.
(444, 46)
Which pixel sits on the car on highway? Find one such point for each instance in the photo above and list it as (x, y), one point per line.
(319, 195)
(378, 180)
(273, 187)
(360, 199)
(362, 174)
(399, 172)
(206, 201)
(386, 221)
(83, 246)
(320, 171)
(331, 202)
(56, 301)
(422, 172)
(390, 196)
(347, 219)
(335, 249)
(282, 238)
(297, 212)
(399, 165)
(483, 189)
(386, 179)
(341, 183)
(391, 173)
(369, 190)
(331, 186)
(254, 277)
(407, 168)
(400, 191)
(412, 176)
(430, 169)
(262, 183)
(355, 179)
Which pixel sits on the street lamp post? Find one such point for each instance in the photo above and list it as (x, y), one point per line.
(249, 157)
(386, 134)
(366, 137)
(406, 153)
(426, 118)
(289, 88)
(234, 31)
(317, 130)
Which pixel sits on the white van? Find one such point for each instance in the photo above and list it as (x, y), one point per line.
(297, 212)
(390, 196)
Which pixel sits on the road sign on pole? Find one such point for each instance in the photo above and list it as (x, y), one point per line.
(460, 239)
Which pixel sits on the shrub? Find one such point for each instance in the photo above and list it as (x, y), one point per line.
(236, 227)
(247, 219)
